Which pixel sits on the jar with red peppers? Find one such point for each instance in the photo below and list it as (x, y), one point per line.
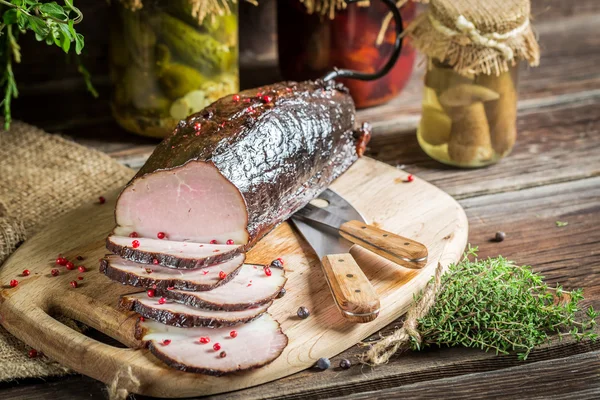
(311, 44)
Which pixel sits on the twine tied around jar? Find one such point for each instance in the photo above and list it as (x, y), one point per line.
(476, 36)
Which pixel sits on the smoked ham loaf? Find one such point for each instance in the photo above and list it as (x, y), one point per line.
(234, 171)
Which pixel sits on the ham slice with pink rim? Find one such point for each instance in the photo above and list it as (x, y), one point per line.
(194, 203)
(176, 314)
(144, 275)
(249, 288)
(169, 253)
(257, 343)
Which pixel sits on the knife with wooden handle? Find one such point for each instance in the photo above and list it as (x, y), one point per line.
(355, 297)
(396, 248)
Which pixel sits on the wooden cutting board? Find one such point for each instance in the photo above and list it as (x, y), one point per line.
(416, 209)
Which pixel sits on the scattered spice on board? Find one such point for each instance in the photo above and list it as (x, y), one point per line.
(560, 224)
(303, 312)
(490, 304)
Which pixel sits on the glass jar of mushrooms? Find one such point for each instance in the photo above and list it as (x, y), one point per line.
(468, 120)
(474, 48)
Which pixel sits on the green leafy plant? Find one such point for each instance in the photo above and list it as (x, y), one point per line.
(51, 23)
(496, 305)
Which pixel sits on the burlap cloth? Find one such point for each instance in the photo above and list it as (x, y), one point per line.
(476, 36)
(43, 176)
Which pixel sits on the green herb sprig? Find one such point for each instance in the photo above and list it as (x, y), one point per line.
(51, 23)
(496, 305)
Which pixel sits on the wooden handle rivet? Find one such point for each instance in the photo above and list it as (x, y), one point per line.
(357, 291)
(363, 227)
(349, 276)
(340, 260)
(406, 244)
(385, 235)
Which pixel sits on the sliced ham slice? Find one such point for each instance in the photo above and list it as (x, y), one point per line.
(169, 253)
(176, 314)
(144, 275)
(257, 343)
(249, 288)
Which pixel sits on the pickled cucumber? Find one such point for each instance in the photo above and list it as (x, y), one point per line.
(197, 49)
(176, 80)
(163, 57)
(139, 88)
(224, 28)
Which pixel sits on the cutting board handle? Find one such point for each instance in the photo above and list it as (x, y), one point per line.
(116, 324)
(89, 356)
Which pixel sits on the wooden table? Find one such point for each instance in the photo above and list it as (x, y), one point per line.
(552, 175)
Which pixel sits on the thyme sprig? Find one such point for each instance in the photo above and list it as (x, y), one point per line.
(51, 23)
(496, 305)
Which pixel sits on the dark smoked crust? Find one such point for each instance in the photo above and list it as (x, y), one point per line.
(193, 301)
(145, 257)
(155, 350)
(177, 319)
(127, 278)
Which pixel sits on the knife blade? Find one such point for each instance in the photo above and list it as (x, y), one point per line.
(353, 294)
(396, 248)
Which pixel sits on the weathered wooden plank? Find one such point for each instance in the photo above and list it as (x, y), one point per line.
(546, 10)
(555, 144)
(74, 387)
(575, 377)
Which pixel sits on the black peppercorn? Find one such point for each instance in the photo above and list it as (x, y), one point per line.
(500, 236)
(345, 363)
(303, 312)
(323, 363)
(281, 293)
(276, 264)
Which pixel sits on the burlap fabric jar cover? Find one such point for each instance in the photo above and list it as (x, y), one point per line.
(470, 97)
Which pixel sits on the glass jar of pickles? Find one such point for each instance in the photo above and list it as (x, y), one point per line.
(468, 120)
(470, 97)
(168, 60)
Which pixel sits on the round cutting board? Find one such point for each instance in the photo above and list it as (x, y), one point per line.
(414, 209)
